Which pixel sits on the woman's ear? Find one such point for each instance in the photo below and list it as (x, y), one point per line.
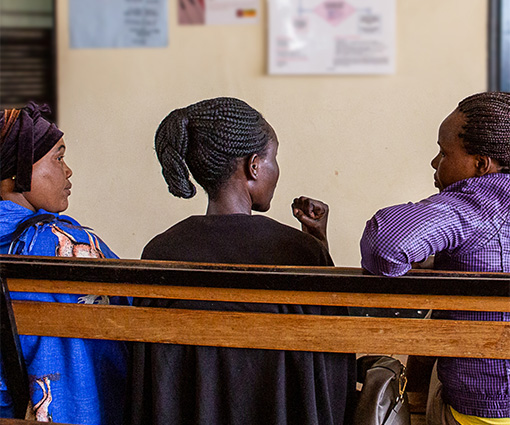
(485, 165)
(253, 165)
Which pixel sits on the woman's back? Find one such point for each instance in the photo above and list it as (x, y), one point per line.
(231, 151)
(237, 238)
(209, 385)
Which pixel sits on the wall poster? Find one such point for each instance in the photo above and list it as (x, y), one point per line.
(332, 36)
(118, 23)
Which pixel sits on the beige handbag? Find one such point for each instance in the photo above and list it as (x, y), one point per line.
(382, 400)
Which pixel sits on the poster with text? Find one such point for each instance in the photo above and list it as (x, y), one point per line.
(332, 37)
(118, 23)
(218, 12)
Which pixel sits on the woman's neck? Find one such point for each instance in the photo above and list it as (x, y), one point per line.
(230, 201)
(8, 194)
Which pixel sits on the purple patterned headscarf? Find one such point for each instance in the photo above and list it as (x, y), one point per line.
(25, 137)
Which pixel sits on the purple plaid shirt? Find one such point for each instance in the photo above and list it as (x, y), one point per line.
(467, 228)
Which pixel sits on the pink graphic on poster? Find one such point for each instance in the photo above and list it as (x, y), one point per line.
(191, 12)
(335, 12)
(332, 37)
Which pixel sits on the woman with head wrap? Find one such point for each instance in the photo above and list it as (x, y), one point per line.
(71, 380)
(230, 150)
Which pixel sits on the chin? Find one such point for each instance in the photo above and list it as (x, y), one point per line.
(261, 208)
(58, 209)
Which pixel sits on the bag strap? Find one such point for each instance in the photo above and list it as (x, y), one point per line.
(29, 222)
(15, 370)
(399, 402)
(394, 412)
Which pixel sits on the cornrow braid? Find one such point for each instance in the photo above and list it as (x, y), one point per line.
(487, 128)
(205, 139)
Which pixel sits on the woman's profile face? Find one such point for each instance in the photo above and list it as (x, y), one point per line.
(50, 186)
(452, 163)
(269, 172)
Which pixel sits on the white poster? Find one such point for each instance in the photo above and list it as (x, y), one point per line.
(118, 23)
(331, 37)
(218, 12)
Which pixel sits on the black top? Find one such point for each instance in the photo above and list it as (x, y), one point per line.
(237, 238)
(174, 384)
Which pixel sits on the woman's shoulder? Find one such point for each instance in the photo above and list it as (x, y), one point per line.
(305, 249)
(170, 236)
(50, 234)
(239, 236)
(286, 230)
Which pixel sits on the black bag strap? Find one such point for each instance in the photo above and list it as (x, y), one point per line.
(29, 222)
(16, 376)
(394, 412)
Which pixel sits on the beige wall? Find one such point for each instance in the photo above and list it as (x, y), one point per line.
(357, 142)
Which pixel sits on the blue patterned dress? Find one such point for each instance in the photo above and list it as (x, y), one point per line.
(71, 380)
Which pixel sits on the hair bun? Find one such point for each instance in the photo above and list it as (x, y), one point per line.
(204, 140)
(171, 144)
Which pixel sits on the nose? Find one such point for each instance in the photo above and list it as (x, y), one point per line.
(435, 162)
(69, 172)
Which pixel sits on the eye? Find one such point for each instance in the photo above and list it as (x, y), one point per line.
(60, 158)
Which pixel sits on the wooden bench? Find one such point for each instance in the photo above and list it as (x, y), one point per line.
(420, 289)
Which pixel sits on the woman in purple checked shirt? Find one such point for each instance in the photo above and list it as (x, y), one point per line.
(466, 226)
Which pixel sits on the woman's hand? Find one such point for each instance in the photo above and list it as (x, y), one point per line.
(313, 216)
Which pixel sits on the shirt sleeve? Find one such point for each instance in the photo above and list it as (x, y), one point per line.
(399, 235)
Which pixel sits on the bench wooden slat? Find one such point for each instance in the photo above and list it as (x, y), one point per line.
(304, 279)
(266, 330)
(426, 302)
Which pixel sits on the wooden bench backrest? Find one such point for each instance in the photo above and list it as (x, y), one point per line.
(280, 285)
(255, 284)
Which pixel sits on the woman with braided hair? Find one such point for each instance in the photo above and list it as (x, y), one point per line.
(230, 150)
(466, 227)
(71, 380)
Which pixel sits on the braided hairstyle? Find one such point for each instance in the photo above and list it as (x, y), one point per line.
(206, 139)
(487, 128)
